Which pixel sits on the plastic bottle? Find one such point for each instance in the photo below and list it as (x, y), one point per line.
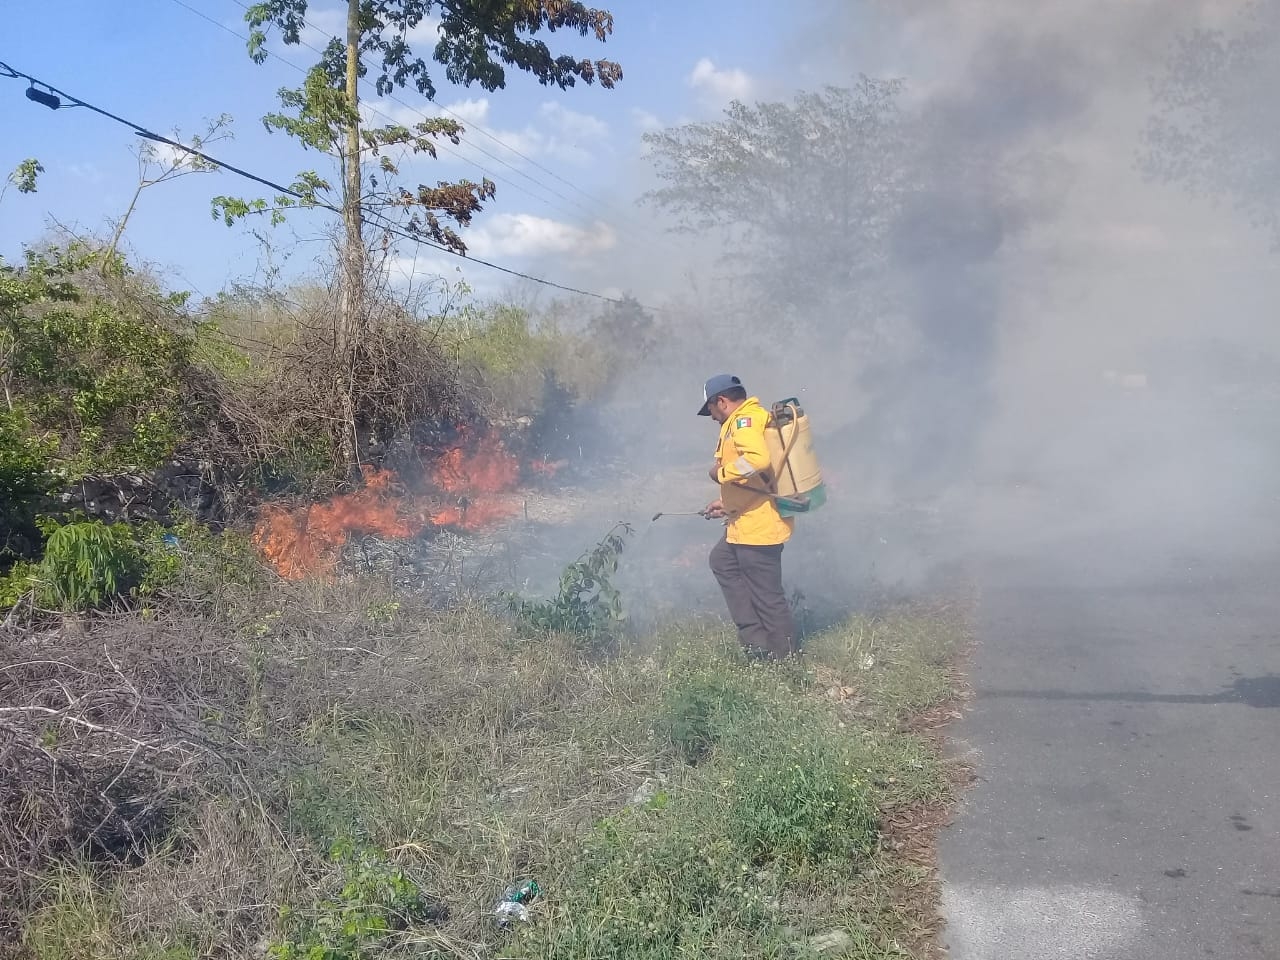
(512, 906)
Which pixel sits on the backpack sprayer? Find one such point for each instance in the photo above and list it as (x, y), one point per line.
(794, 482)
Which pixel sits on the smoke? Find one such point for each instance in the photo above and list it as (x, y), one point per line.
(1077, 327)
(1055, 331)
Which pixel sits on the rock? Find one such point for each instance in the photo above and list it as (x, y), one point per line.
(832, 943)
(177, 486)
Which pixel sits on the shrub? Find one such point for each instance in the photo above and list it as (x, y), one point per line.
(522, 363)
(189, 562)
(90, 564)
(699, 712)
(107, 376)
(281, 413)
(87, 565)
(587, 606)
(24, 454)
(798, 794)
(21, 579)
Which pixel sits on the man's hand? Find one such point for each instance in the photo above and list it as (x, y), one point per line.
(714, 510)
(714, 473)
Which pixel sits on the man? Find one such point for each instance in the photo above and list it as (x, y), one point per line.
(747, 563)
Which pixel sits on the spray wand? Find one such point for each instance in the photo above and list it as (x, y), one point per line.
(692, 513)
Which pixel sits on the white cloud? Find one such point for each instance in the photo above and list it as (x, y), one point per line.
(380, 112)
(645, 120)
(525, 235)
(719, 86)
(566, 135)
(323, 26)
(168, 155)
(423, 38)
(554, 132)
(87, 171)
(423, 266)
(570, 123)
(472, 112)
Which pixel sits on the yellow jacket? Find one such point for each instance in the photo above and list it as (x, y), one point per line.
(743, 462)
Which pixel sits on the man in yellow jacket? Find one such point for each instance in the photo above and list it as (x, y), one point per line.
(747, 563)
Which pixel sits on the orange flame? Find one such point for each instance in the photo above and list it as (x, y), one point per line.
(487, 468)
(308, 541)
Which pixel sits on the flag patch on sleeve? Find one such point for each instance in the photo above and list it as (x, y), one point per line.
(742, 422)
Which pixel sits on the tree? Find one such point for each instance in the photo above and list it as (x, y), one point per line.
(803, 193)
(25, 176)
(1214, 130)
(476, 39)
(865, 231)
(160, 163)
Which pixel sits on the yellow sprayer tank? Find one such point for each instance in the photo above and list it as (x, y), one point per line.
(797, 476)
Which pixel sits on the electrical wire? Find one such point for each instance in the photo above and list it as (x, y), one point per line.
(375, 110)
(378, 222)
(470, 126)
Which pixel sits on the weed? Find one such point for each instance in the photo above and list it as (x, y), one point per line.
(104, 376)
(425, 743)
(658, 883)
(798, 796)
(90, 564)
(76, 920)
(698, 711)
(187, 563)
(375, 900)
(587, 606)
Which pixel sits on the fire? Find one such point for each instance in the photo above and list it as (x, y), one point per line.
(308, 541)
(486, 468)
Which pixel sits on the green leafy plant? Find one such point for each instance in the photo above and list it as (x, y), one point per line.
(25, 176)
(587, 606)
(376, 899)
(87, 564)
(187, 560)
(21, 579)
(24, 483)
(798, 797)
(100, 382)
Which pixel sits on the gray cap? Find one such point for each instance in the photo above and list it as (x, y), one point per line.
(717, 385)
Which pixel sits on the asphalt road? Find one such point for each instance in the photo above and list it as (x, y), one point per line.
(1126, 737)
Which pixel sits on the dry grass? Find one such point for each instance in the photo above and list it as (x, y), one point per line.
(461, 754)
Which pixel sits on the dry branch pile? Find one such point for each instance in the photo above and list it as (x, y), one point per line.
(104, 737)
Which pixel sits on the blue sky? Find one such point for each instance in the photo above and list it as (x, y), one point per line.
(165, 66)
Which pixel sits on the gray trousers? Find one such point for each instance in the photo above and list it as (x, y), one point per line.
(751, 580)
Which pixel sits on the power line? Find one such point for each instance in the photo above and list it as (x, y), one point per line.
(440, 146)
(53, 102)
(468, 125)
(426, 116)
(475, 127)
(54, 96)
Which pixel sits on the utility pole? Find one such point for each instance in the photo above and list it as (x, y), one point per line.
(350, 320)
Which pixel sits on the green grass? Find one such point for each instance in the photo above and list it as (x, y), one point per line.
(679, 803)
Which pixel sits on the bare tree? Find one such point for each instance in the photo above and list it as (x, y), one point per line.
(159, 163)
